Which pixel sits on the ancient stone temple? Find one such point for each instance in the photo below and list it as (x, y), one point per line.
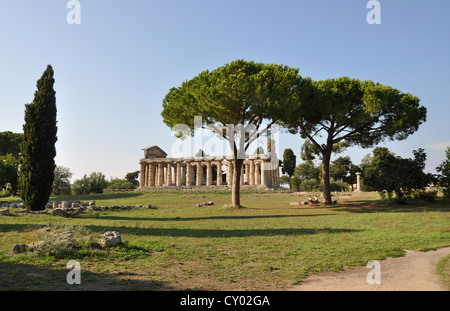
(159, 171)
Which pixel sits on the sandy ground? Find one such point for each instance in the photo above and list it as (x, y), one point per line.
(416, 271)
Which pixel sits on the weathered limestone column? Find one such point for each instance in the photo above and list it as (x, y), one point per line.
(169, 175)
(219, 173)
(247, 173)
(160, 174)
(257, 174)
(264, 174)
(151, 175)
(208, 173)
(183, 174)
(142, 175)
(178, 174)
(358, 182)
(251, 173)
(147, 175)
(199, 174)
(188, 174)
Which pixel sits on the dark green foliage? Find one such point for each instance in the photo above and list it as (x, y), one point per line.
(120, 184)
(10, 143)
(349, 112)
(343, 169)
(61, 182)
(444, 174)
(38, 150)
(9, 176)
(289, 161)
(94, 183)
(133, 178)
(388, 172)
(240, 92)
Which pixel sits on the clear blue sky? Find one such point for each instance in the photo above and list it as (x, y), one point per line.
(113, 70)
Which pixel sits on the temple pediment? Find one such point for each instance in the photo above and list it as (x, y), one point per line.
(154, 152)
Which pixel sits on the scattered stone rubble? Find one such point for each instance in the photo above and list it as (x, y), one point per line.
(65, 208)
(108, 239)
(111, 238)
(204, 204)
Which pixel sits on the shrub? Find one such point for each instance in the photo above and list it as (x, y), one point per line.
(94, 183)
(424, 195)
(446, 192)
(338, 185)
(120, 184)
(310, 185)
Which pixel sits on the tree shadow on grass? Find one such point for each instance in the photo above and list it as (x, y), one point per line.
(392, 207)
(219, 233)
(26, 277)
(176, 218)
(18, 227)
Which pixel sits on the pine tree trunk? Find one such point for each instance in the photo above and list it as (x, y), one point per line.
(236, 185)
(326, 157)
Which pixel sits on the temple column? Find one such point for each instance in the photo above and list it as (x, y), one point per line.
(142, 175)
(199, 174)
(169, 175)
(160, 175)
(188, 174)
(251, 172)
(151, 175)
(358, 182)
(264, 174)
(208, 173)
(257, 173)
(219, 174)
(178, 174)
(247, 173)
(183, 174)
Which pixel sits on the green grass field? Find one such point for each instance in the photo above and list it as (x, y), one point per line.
(267, 245)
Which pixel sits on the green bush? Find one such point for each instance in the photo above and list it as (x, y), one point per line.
(94, 183)
(424, 195)
(446, 192)
(120, 184)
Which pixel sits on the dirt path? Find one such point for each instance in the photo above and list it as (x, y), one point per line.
(416, 271)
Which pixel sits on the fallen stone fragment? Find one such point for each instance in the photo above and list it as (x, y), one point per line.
(111, 238)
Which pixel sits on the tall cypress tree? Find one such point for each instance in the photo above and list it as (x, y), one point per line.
(38, 150)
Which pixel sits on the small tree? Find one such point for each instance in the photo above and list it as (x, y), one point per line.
(94, 183)
(444, 174)
(61, 182)
(289, 162)
(343, 169)
(388, 172)
(37, 165)
(9, 176)
(10, 143)
(132, 178)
